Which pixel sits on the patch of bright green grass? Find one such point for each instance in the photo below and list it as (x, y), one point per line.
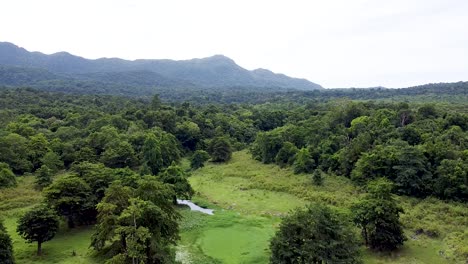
(225, 237)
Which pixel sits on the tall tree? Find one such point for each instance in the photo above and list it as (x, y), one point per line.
(137, 223)
(40, 224)
(198, 159)
(72, 198)
(14, 151)
(378, 216)
(317, 178)
(152, 154)
(315, 235)
(7, 177)
(6, 246)
(38, 147)
(52, 161)
(286, 154)
(43, 177)
(177, 178)
(220, 149)
(304, 163)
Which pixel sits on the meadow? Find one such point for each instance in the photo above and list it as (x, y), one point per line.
(249, 199)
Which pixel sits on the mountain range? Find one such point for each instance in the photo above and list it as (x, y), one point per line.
(62, 70)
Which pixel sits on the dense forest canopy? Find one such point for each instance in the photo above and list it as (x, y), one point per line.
(121, 158)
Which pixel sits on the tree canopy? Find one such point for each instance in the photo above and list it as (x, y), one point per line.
(317, 234)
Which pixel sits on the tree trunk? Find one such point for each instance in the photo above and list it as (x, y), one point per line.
(124, 242)
(39, 248)
(174, 200)
(364, 231)
(70, 222)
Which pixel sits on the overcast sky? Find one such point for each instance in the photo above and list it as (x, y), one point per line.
(336, 43)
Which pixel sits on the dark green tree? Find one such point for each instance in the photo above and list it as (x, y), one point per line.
(6, 246)
(286, 154)
(378, 216)
(177, 178)
(452, 180)
(303, 163)
(14, 151)
(72, 198)
(38, 146)
(137, 223)
(52, 161)
(315, 235)
(7, 177)
(317, 178)
(220, 149)
(118, 154)
(43, 177)
(152, 154)
(96, 175)
(198, 159)
(40, 224)
(188, 133)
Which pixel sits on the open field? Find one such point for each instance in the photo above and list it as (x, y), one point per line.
(256, 195)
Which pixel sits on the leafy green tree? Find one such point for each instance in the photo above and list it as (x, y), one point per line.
(43, 177)
(86, 154)
(403, 164)
(317, 234)
(72, 198)
(14, 152)
(6, 246)
(317, 178)
(96, 175)
(286, 154)
(118, 154)
(40, 225)
(451, 180)
(304, 162)
(7, 177)
(116, 199)
(188, 133)
(52, 161)
(266, 146)
(377, 214)
(198, 159)
(412, 175)
(137, 223)
(38, 146)
(152, 154)
(177, 178)
(220, 149)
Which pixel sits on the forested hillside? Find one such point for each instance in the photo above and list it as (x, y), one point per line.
(118, 76)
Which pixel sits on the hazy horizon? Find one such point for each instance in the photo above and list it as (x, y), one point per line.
(337, 44)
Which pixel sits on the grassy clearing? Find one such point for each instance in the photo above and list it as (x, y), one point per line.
(14, 202)
(254, 196)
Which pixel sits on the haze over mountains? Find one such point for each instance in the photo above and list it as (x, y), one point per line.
(19, 67)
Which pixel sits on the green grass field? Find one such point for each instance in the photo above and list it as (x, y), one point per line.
(249, 199)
